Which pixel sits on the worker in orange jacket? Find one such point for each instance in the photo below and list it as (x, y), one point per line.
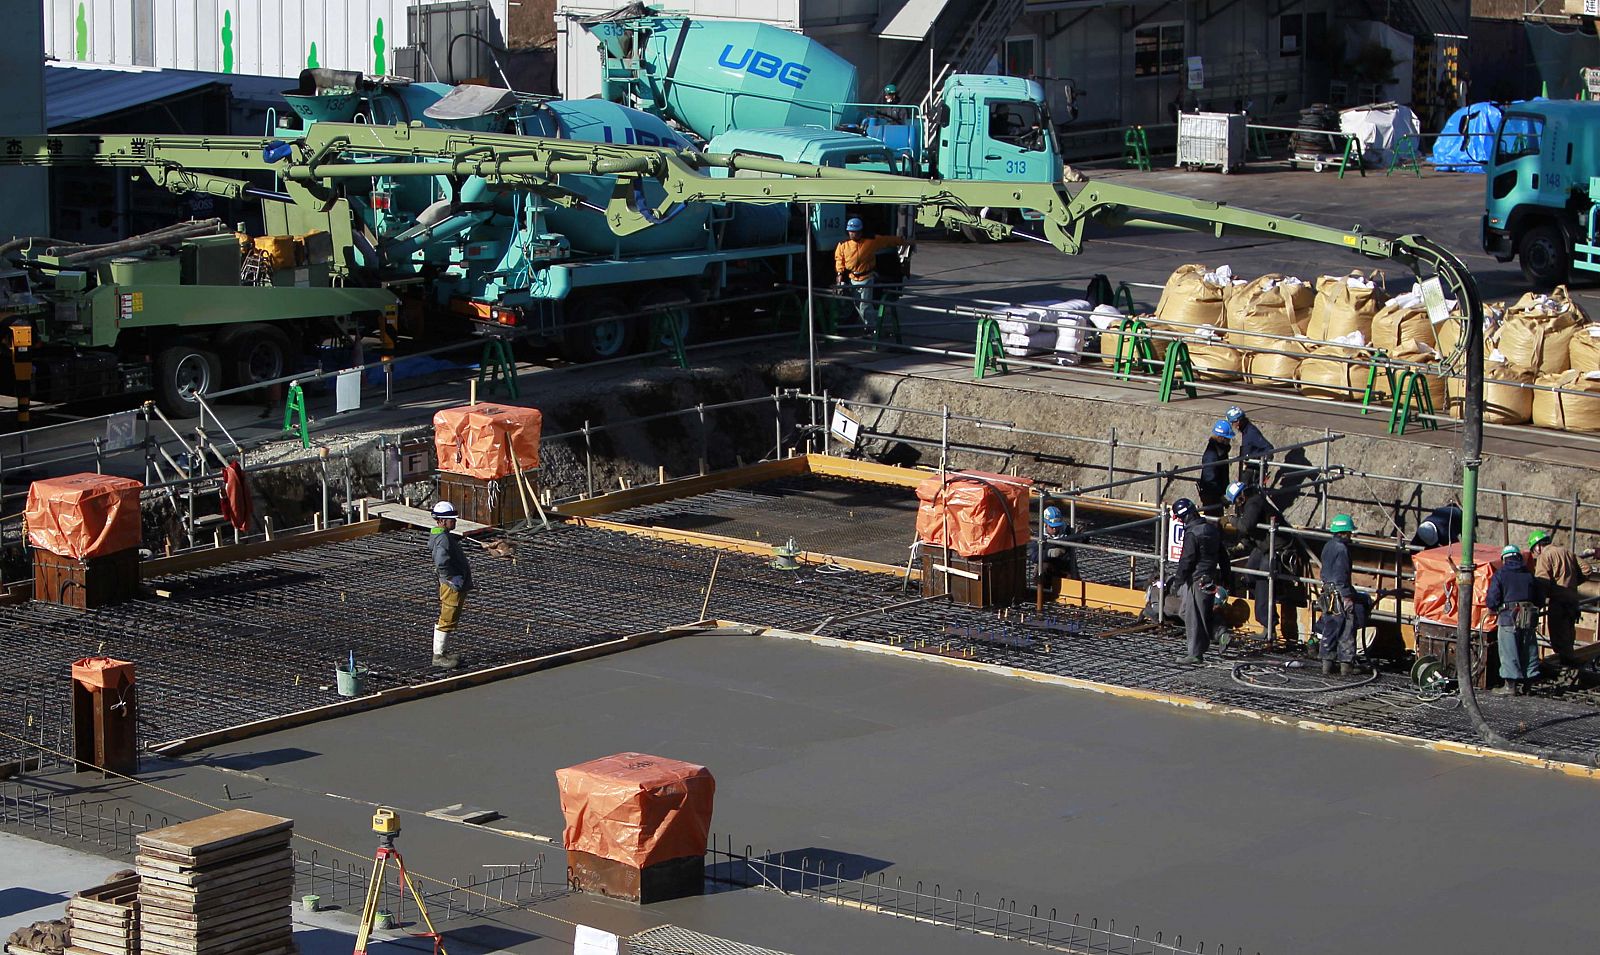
(855, 259)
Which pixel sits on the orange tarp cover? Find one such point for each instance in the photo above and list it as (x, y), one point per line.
(102, 673)
(978, 505)
(1434, 597)
(84, 515)
(637, 809)
(481, 440)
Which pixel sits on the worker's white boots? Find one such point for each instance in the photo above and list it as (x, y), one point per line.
(442, 657)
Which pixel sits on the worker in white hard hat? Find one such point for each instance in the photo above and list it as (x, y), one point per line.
(855, 259)
(455, 579)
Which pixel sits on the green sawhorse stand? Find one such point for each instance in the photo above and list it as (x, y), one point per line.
(294, 415)
(1258, 143)
(1379, 366)
(988, 353)
(1136, 149)
(1352, 150)
(1412, 398)
(496, 368)
(1406, 153)
(1177, 371)
(1135, 355)
(1123, 299)
(666, 330)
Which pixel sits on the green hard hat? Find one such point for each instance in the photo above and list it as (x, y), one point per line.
(1341, 524)
(1510, 550)
(1538, 537)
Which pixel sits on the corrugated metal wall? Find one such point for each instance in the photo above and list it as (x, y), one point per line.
(264, 37)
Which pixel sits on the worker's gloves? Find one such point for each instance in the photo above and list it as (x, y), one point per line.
(458, 583)
(1219, 596)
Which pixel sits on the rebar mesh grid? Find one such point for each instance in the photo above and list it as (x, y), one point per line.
(259, 638)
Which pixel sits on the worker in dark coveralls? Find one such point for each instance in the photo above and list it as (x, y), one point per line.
(1213, 480)
(455, 580)
(1337, 628)
(1255, 514)
(1253, 446)
(1559, 575)
(1058, 559)
(1204, 572)
(1515, 598)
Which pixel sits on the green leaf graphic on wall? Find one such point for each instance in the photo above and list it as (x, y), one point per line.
(311, 57)
(379, 66)
(227, 41)
(82, 33)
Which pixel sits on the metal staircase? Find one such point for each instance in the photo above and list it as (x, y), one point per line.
(987, 23)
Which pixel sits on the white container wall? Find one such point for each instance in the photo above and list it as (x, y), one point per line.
(261, 37)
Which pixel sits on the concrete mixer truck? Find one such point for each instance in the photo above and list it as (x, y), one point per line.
(749, 88)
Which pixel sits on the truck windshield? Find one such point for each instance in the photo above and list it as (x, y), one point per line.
(1519, 136)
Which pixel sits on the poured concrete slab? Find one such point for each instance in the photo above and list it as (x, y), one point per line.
(1265, 837)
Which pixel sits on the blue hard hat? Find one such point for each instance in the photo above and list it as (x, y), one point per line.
(854, 224)
(1234, 414)
(1182, 507)
(1223, 429)
(891, 88)
(1053, 518)
(1234, 490)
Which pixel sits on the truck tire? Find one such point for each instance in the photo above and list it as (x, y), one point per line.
(603, 331)
(1544, 257)
(253, 354)
(182, 371)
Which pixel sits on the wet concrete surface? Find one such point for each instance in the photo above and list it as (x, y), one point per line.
(1264, 837)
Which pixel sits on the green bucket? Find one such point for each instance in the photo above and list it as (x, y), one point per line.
(351, 682)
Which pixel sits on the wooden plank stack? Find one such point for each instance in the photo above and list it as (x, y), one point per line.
(105, 919)
(221, 885)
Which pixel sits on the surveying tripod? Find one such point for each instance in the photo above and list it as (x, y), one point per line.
(387, 825)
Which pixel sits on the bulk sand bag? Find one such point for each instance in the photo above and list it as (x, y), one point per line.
(1402, 319)
(1568, 412)
(1192, 297)
(1503, 401)
(1447, 334)
(1337, 371)
(1345, 304)
(1272, 369)
(1265, 306)
(1583, 352)
(1537, 331)
(1213, 359)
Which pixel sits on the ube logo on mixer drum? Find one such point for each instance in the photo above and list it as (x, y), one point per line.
(766, 66)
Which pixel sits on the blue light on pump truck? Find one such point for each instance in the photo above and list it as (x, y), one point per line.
(1537, 196)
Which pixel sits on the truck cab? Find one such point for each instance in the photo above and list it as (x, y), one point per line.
(1537, 180)
(995, 128)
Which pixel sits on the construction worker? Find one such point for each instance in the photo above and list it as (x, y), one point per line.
(1514, 597)
(1205, 574)
(855, 259)
(1255, 515)
(1442, 526)
(1558, 574)
(891, 95)
(1058, 560)
(1253, 446)
(455, 580)
(1212, 484)
(1337, 628)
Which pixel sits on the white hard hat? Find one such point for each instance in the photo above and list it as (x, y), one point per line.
(444, 509)
(1428, 534)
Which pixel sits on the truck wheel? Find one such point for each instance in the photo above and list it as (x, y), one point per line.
(1544, 258)
(183, 371)
(255, 354)
(603, 331)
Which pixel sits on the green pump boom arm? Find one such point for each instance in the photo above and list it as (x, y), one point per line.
(311, 167)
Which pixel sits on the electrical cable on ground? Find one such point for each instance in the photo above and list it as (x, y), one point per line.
(1249, 674)
(298, 835)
